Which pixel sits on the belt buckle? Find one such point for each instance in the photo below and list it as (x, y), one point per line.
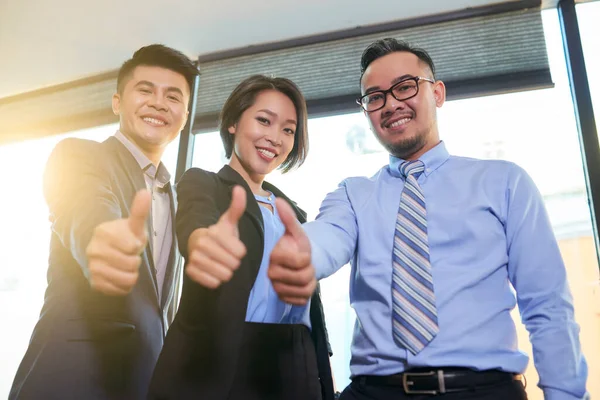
(406, 383)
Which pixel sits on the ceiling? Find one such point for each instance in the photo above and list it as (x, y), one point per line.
(45, 43)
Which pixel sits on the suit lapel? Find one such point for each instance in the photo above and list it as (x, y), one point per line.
(252, 211)
(172, 265)
(134, 174)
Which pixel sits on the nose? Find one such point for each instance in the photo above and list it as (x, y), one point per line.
(274, 137)
(391, 104)
(157, 102)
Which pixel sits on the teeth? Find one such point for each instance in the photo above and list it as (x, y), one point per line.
(154, 121)
(400, 122)
(267, 153)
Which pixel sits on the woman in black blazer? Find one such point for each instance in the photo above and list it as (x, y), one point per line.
(233, 338)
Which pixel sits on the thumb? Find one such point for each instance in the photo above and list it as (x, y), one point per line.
(292, 226)
(140, 209)
(237, 207)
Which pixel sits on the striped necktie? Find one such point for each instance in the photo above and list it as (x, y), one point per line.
(414, 316)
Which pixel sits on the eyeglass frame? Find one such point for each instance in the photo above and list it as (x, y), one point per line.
(391, 91)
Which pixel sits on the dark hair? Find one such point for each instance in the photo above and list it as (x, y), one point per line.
(158, 55)
(383, 47)
(244, 96)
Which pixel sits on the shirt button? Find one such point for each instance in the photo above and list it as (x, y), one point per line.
(155, 233)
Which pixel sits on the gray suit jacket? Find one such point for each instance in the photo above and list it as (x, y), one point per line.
(87, 345)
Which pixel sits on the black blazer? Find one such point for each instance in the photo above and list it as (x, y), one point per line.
(203, 343)
(87, 345)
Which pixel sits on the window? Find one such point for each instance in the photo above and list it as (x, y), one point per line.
(208, 152)
(25, 238)
(588, 15)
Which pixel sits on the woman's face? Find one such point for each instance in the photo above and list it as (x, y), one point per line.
(264, 135)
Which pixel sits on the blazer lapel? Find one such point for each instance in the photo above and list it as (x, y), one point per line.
(135, 175)
(169, 284)
(229, 174)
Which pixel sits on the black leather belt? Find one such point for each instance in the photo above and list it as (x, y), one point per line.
(438, 381)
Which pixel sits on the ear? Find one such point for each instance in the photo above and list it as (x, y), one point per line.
(231, 129)
(116, 103)
(439, 93)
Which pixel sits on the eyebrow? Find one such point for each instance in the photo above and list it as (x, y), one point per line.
(169, 89)
(272, 114)
(396, 80)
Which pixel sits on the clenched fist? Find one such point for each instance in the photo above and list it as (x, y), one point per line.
(114, 251)
(214, 253)
(290, 268)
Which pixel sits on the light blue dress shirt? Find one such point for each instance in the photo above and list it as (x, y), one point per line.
(263, 304)
(488, 233)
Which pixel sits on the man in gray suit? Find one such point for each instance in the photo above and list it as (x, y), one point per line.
(113, 256)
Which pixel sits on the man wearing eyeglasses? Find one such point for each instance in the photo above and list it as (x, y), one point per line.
(436, 244)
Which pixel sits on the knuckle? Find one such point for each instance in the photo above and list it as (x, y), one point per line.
(196, 262)
(94, 270)
(134, 263)
(90, 250)
(307, 277)
(210, 283)
(189, 270)
(201, 278)
(204, 245)
(130, 247)
(131, 280)
(191, 267)
(227, 275)
(144, 240)
(197, 244)
(299, 260)
(213, 230)
(277, 288)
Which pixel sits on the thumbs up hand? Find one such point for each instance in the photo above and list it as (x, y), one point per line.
(290, 269)
(214, 253)
(114, 251)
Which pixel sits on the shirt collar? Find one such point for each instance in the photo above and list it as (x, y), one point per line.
(433, 159)
(160, 174)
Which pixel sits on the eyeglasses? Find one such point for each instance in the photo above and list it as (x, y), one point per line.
(403, 90)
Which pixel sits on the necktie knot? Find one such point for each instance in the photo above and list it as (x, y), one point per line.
(414, 168)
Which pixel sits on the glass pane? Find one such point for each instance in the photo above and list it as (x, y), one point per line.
(588, 15)
(208, 151)
(25, 237)
(169, 158)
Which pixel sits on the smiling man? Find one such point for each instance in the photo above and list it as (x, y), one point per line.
(113, 257)
(437, 243)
